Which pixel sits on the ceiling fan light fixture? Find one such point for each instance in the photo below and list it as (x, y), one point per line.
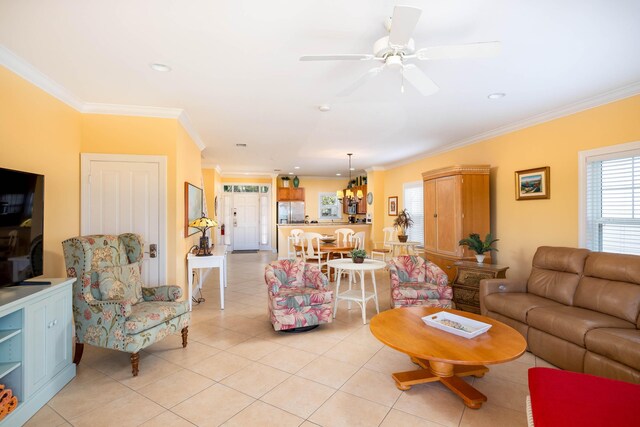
(497, 95)
(394, 62)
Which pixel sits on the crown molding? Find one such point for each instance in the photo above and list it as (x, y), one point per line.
(27, 71)
(375, 169)
(567, 110)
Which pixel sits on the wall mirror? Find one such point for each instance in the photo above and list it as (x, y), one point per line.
(192, 207)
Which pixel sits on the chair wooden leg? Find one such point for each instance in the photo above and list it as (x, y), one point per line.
(78, 354)
(135, 358)
(185, 332)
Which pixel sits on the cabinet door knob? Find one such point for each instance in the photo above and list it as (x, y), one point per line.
(55, 322)
(50, 325)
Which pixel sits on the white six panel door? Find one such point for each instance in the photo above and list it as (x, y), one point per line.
(246, 221)
(124, 198)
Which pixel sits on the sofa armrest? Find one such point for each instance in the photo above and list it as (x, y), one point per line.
(162, 293)
(495, 286)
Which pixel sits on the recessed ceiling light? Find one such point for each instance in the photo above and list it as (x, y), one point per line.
(352, 169)
(241, 145)
(277, 170)
(296, 167)
(338, 174)
(324, 108)
(496, 95)
(158, 66)
(290, 173)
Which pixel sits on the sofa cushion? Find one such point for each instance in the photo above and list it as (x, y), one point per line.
(516, 305)
(572, 323)
(555, 273)
(145, 315)
(621, 345)
(122, 283)
(611, 284)
(413, 290)
(300, 297)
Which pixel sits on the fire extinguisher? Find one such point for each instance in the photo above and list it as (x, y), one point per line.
(222, 230)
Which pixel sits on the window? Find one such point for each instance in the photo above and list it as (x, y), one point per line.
(328, 206)
(610, 199)
(413, 203)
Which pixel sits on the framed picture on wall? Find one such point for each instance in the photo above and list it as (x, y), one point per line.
(192, 207)
(392, 206)
(533, 184)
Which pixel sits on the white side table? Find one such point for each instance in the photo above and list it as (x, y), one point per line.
(359, 296)
(396, 247)
(218, 259)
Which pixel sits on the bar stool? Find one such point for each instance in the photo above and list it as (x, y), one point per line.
(292, 241)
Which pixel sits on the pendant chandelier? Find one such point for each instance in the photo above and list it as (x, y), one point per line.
(352, 198)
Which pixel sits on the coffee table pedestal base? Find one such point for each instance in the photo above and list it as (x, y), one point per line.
(449, 375)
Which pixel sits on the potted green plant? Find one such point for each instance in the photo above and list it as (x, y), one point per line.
(476, 244)
(402, 223)
(358, 255)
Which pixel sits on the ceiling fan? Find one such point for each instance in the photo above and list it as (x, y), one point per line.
(397, 51)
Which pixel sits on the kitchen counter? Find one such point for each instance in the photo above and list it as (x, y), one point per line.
(284, 230)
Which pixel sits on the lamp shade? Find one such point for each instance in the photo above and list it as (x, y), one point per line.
(203, 223)
(359, 194)
(340, 194)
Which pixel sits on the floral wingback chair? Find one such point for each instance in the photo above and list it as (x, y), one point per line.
(111, 307)
(416, 281)
(298, 295)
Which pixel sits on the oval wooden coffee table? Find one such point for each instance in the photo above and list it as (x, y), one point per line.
(443, 356)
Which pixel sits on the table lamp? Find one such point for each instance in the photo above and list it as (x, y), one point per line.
(203, 224)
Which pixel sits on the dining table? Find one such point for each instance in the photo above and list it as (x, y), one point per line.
(332, 250)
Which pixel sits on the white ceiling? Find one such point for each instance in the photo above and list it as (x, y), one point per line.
(237, 75)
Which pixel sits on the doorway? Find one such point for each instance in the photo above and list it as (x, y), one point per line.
(246, 216)
(127, 194)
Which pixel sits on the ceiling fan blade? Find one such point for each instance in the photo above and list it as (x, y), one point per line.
(403, 23)
(419, 80)
(338, 57)
(471, 50)
(361, 81)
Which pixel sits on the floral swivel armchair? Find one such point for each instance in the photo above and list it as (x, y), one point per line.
(111, 307)
(299, 298)
(416, 281)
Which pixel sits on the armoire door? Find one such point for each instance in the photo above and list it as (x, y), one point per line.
(430, 216)
(448, 213)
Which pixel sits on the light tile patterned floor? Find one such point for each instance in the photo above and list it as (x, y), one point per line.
(237, 371)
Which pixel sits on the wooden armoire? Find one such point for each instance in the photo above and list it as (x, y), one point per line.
(456, 204)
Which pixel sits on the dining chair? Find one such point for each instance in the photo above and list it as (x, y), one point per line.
(294, 240)
(389, 235)
(311, 252)
(344, 237)
(359, 240)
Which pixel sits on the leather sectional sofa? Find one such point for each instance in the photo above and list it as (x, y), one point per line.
(579, 310)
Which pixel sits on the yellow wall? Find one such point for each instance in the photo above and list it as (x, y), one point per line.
(109, 134)
(313, 186)
(208, 177)
(245, 180)
(522, 226)
(40, 134)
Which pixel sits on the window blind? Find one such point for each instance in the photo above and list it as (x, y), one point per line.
(413, 203)
(613, 203)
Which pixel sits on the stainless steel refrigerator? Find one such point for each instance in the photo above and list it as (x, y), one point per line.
(290, 212)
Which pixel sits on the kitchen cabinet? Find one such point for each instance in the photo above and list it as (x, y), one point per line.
(456, 204)
(361, 207)
(290, 194)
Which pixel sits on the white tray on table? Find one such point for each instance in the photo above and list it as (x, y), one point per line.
(466, 328)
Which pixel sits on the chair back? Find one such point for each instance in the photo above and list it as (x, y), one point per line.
(358, 240)
(344, 235)
(389, 236)
(296, 233)
(310, 245)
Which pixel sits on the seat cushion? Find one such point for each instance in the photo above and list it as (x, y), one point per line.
(290, 318)
(145, 315)
(300, 297)
(439, 303)
(572, 323)
(516, 305)
(419, 291)
(121, 283)
(621, 345)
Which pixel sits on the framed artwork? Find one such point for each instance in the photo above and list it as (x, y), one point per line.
(192, 207)
(392, 206)
(533, 184)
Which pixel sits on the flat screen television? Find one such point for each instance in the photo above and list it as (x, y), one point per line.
(21, 226)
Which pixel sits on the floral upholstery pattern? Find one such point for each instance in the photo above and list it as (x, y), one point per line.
(119, 324)
(120, 283)
(298, 294)
(416, 281)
